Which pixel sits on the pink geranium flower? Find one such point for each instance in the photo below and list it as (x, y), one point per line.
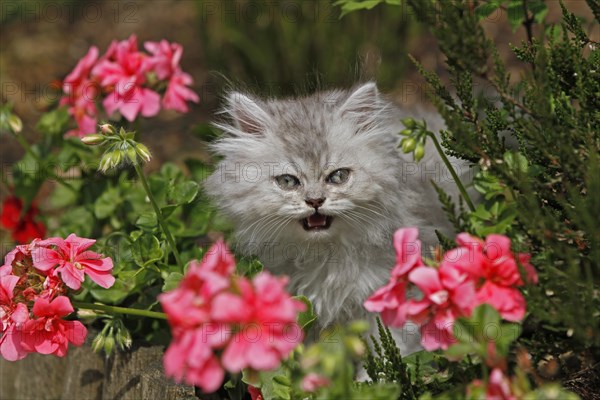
(165, 58)
(264, 316)
(81, 93)
(12, 317)
(390, 300)
(74, 261)
(447, 295)
(122, 71)
(495, 270)
(178, 93)
(190, 359)
(48, 333)
(212, 315)
(313, 382)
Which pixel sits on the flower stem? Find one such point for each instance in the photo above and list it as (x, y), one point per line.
(119, 310)
(462, 189)
(159, 216)
(37, 158)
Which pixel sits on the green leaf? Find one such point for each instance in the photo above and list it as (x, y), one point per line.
(308, 317)
(54, 122)
(114, 295)
(486, 320)
(516, 14)
(349, 6)
(107, 203)
(198, 169)
(508, 334)
(486, 9)
(172, 281)
(146, 249)
(63, 197)
(460, 350)
(147, 221)
(539, 10)
(249, 266)
(78, 220)
(184, 192)
(464, 331)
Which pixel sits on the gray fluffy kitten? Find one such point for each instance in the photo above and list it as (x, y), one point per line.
(316, 188)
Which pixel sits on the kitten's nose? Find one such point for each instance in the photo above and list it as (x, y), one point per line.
(316, 203)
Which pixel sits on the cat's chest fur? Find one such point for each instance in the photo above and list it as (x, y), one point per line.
(336, 276)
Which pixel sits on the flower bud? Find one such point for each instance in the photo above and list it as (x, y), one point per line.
(409, 123)
(355, 345)
(408, 145)
(98, 343)
(104, 163)
(15, 123)
(406, 132)
(131, 154)
(108, 129)
(109, 344)
(124, 338)
(419, 152)
(143, 152)
(93, 139)
(358, 327)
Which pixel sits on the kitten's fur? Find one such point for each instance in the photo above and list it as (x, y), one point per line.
(309, 137)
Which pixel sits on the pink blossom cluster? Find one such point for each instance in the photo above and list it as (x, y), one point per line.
(33, 284)
(498, 387)
(474, 273)
(129, 79)
(223, 322)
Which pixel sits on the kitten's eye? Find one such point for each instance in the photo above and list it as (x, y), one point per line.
(287, 182)
(339, 176)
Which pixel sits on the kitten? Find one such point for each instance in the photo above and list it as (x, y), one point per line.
(316, 188)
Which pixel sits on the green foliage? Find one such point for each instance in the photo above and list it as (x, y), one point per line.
(543, 191)
(281, 47)
(386, 364)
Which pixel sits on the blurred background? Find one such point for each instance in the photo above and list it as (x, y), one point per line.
(269, 47)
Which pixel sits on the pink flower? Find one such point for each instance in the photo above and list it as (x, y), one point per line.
(48, 333)
(73, 261)
(498, 387)
(447, 295)
(165, 57)
(494, 267)
(190, 359)
(265, 318)
(122, 71)
(12, 317)
(408, 251)
(222, 322)
(178, 93)
(390, 300)
(81, 93)
(313, 382)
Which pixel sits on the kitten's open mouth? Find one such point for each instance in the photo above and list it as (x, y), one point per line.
(316, 222)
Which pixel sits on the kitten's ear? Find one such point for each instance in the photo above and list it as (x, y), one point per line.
(247, 113)
(362, 103)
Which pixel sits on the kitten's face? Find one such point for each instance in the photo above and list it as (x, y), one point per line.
(318, 168)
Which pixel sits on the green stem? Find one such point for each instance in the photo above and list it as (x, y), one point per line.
(119, 310)
(462, 189)
(29, 150)
(159, 216)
